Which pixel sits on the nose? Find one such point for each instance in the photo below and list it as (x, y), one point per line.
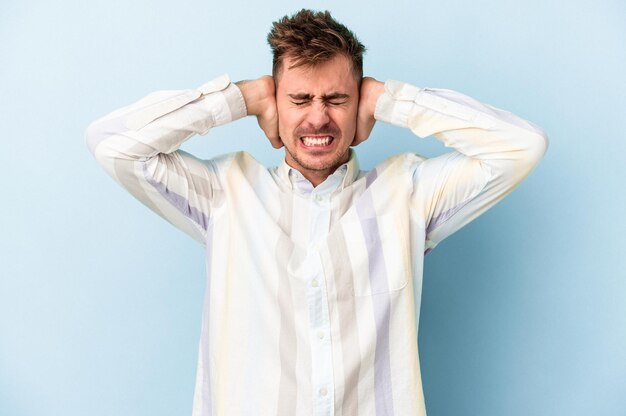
(317, 116)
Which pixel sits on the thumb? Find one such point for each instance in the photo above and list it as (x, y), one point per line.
(269, 124)
(364, 126)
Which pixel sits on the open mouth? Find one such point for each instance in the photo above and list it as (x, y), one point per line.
(316, 141)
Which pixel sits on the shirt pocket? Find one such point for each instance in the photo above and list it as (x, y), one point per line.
(378, 255)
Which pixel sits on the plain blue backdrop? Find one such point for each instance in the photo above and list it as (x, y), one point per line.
(524, 310)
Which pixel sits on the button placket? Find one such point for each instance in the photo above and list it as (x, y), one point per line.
(321, 353)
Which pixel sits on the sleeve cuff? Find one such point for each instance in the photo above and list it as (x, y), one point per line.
(235, 104)
(225, 100)
(396, 103)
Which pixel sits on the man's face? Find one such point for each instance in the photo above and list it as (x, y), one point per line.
(317, 113)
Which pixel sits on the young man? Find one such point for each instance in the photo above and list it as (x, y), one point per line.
(314, 267)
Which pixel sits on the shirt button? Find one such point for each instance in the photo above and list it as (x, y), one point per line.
(323, 391)
(318, 198)
(320, 334)
(314, 283)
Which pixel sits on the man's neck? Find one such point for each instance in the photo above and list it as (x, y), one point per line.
(316, 176)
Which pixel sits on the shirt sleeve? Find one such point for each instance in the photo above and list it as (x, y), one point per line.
(494, 150)
(138, 146)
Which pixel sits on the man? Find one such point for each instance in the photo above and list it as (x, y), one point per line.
(314, 267)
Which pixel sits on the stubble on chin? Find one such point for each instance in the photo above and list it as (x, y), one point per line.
(319, 165)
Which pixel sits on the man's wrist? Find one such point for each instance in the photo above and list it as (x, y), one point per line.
(256, 93)
(372, 90)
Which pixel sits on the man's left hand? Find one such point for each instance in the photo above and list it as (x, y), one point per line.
(371, 89)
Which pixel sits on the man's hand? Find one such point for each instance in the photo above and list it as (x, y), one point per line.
(260, 98)
(370, 91)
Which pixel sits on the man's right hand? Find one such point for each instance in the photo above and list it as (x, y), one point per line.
(260, 98)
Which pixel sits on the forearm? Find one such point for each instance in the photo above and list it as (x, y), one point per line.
(137, 146)
(477, 130)
(162, 121)
(495, 151)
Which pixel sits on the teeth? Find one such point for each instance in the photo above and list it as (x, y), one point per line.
(316, 141)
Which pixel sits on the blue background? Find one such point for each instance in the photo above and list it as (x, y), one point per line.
(524, 310)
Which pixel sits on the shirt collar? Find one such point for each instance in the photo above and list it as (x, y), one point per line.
(344, 175)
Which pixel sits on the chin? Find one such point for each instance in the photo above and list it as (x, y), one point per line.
(322, 163)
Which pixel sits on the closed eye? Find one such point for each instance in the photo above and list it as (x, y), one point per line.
(337, 102)
(300, 99)
(336, 98)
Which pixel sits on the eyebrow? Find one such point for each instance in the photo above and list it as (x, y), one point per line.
(328, 97)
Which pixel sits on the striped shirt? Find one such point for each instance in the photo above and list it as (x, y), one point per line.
(313, 293)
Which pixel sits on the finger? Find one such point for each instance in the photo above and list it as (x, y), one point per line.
(363, 131)
(358, 140)
(275, 141)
